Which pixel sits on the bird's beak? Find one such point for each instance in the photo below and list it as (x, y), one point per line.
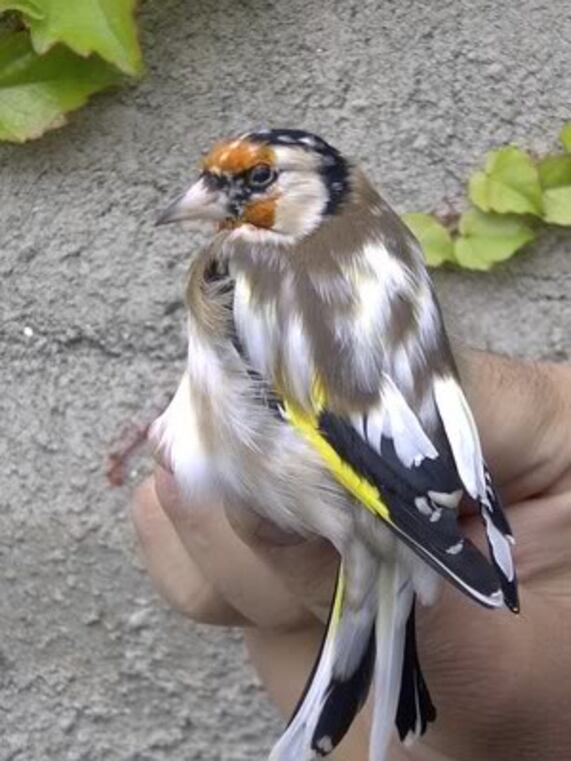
(199, 202)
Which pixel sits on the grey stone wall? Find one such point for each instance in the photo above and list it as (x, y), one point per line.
(93, 667)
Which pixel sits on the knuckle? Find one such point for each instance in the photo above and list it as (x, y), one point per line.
(203, 604)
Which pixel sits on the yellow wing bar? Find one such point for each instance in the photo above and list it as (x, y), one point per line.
(356, 484)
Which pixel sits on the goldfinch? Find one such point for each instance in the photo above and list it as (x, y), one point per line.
(321, 392)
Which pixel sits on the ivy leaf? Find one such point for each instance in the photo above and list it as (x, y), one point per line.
(434, 238)
(555, 178)
(105, 27)
(557, 204)
(509, 184)
(37, 91)
(565, 136)
(555, 171)
(486, 239)
(28, 7)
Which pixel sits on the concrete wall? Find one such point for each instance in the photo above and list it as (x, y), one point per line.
(92, 664)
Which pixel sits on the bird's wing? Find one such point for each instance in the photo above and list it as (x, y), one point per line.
(462, 435)
(388, 463)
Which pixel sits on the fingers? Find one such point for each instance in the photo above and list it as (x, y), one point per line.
(226, 563)
(542, 528)
(173, 572)
(307, 568)
(518, 408)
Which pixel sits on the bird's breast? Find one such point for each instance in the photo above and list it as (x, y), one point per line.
(275, 340)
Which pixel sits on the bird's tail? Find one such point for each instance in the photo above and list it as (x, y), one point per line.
(395, 600)
(378, 638)
(415, 708)
(339, 683)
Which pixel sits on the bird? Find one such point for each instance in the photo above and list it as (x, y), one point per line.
(321, 392)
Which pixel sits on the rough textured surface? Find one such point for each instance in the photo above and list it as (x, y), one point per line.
(92, 665)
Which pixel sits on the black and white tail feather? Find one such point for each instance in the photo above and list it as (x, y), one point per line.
(415, 708)
(375, 644)
(339, 683)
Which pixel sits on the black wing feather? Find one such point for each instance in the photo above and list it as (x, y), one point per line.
(433, 534)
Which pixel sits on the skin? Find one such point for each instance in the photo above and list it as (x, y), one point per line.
(501, 683)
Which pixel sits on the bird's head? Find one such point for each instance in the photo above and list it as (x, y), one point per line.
(274, 183)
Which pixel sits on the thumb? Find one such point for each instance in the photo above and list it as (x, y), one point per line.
(306, 566)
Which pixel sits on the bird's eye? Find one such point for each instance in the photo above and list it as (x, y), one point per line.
(261, 176)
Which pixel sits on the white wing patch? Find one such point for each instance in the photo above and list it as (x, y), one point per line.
(500, 546)
(462, 435)
(410, 440)
(464, 440)
(394, 419)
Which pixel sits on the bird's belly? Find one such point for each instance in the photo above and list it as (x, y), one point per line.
(177, 439)
(216, 438)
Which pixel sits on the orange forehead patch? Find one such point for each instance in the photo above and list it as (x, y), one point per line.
(237, 156)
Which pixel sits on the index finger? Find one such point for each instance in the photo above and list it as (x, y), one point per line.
(522, 415)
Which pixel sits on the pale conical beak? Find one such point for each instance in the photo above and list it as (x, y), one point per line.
(199, 202)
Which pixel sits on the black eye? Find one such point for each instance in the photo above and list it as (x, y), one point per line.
(261, 176)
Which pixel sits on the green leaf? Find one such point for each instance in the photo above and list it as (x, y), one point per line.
(555, 177)
(565, 136)
(486, 239)
(478, 190)
(27, 7)
(509, 184)
(557, 204)
(105, 27)
(555, 171)
(434, 238)
(37, 91)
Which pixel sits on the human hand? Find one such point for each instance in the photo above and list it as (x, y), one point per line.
(500, 682)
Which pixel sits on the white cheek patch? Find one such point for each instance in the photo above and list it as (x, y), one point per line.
(302, 198)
